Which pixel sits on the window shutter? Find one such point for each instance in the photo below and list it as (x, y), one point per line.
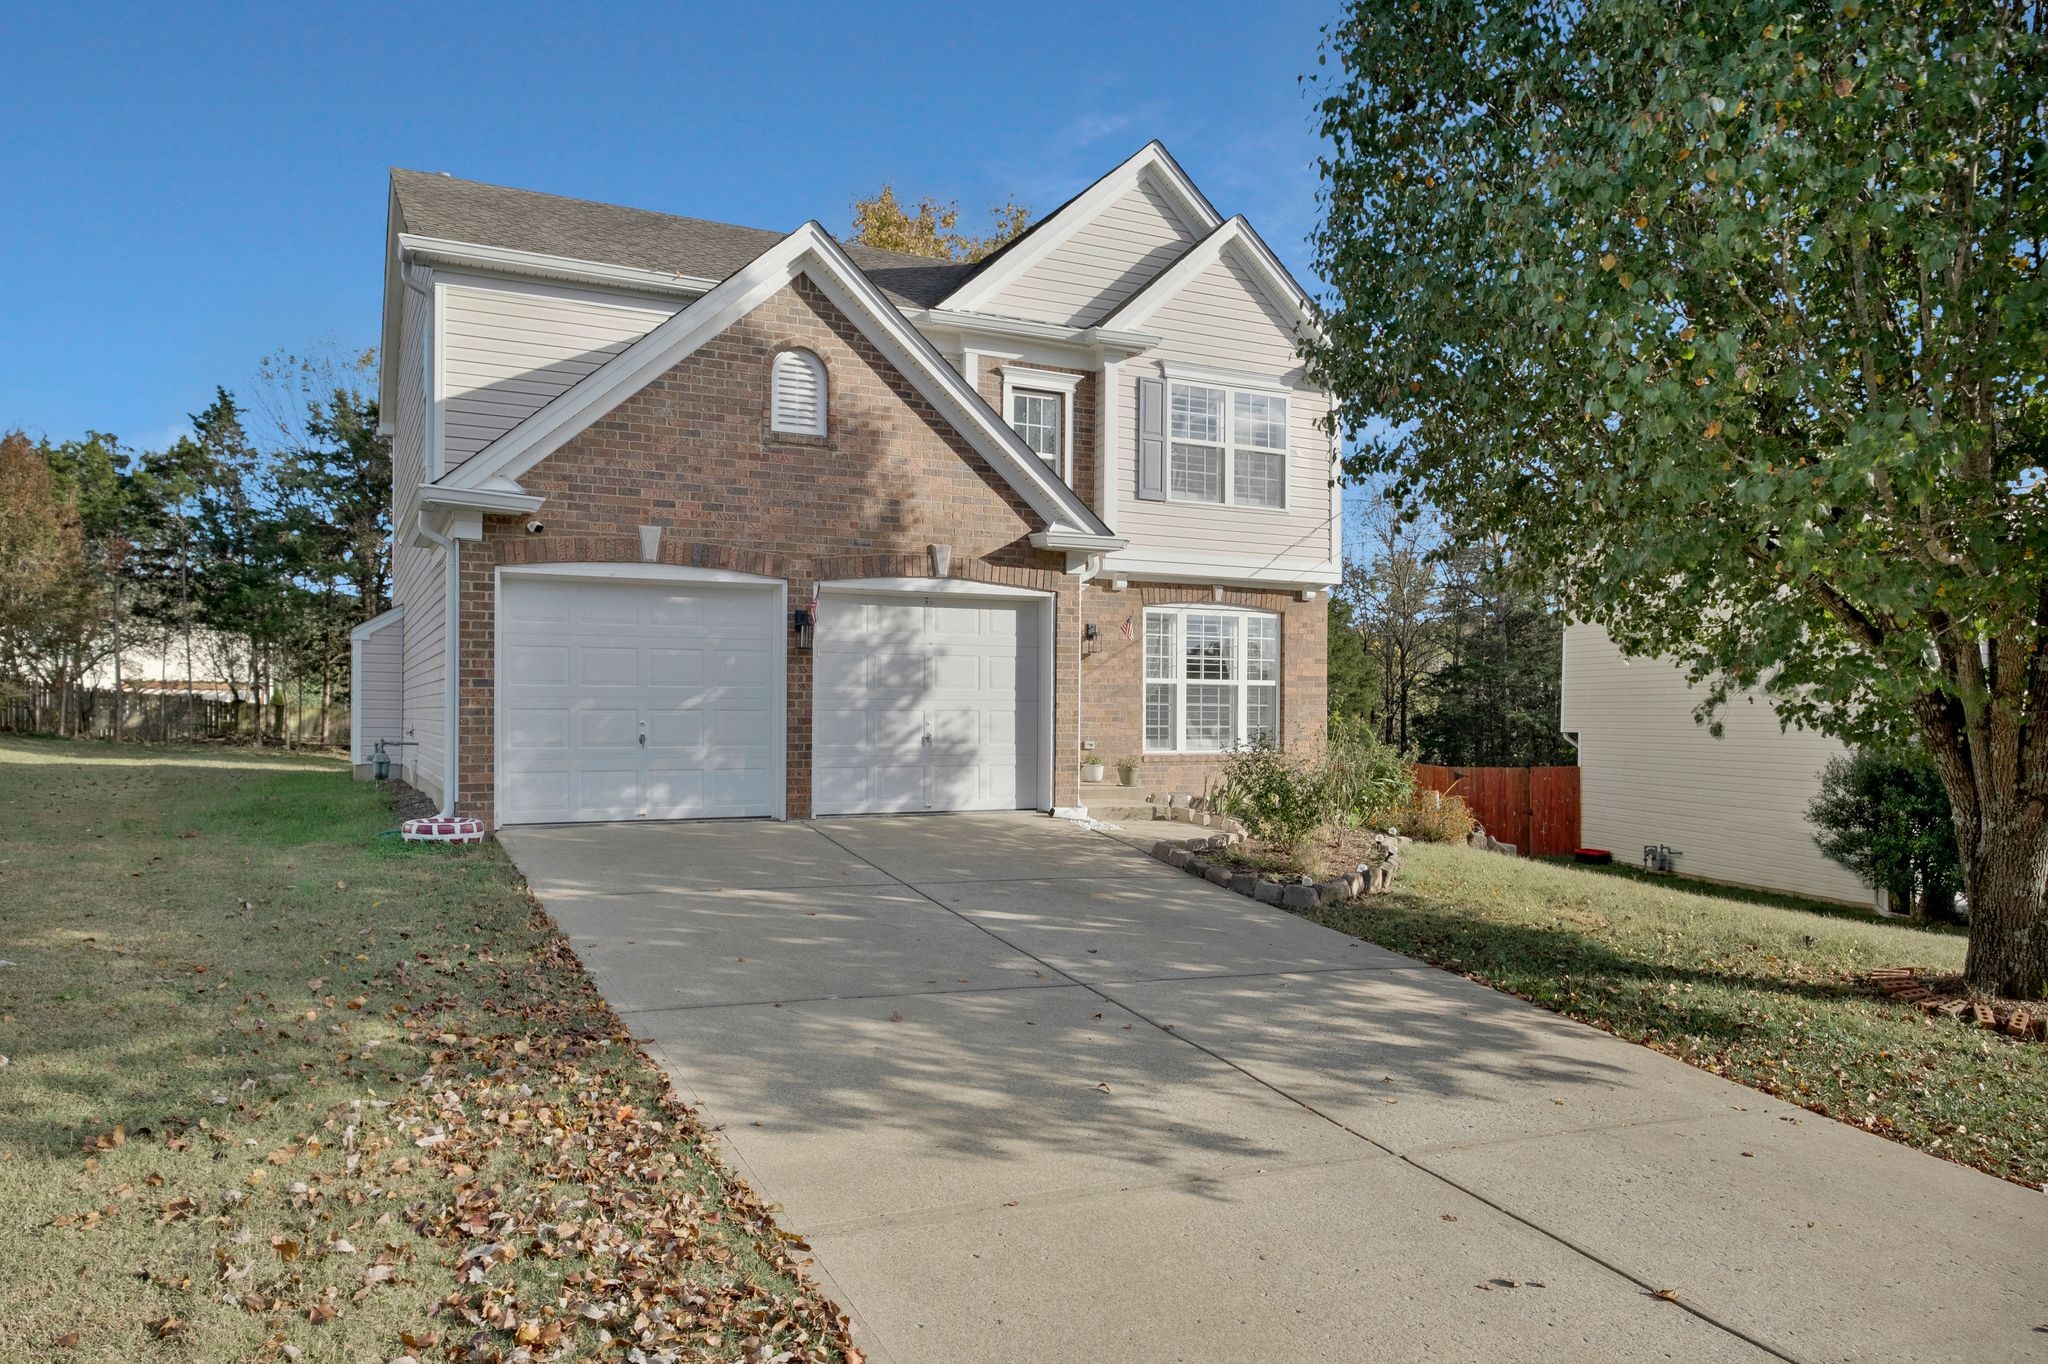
(1152, 440)
(798, 399)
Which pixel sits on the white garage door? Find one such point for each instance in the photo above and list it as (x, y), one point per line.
(926, 703)
(638, 700)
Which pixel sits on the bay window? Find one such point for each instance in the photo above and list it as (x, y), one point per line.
(1226, 446)
(1212, 678)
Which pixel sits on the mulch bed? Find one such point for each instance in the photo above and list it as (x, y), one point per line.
(1944, 995)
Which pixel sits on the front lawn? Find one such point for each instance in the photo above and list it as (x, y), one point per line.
(275, 1087)
(1752, 989)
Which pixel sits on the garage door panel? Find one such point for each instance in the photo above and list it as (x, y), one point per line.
(538, 665)
(537, 729)
(922, 703)
(602, 667)
(591, 665)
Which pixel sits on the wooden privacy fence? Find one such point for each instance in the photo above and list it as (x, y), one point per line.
(1534, 808)
(161, 716)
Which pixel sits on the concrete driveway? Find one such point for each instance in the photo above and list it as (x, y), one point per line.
(1032, 1096)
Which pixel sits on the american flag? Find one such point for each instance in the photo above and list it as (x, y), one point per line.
(1126, 628)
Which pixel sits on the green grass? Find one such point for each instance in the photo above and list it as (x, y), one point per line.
(270, 1077)
(1750, 987)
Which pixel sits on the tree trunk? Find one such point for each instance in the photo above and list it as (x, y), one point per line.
(2005, 871)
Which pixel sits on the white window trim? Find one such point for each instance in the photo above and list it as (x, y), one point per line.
(1192, 377)
(1240, 684)
(1018, 378)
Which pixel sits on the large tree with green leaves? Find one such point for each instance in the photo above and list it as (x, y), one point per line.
(1730, 316)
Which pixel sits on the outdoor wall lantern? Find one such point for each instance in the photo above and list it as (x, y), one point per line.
(1091, 632)
(800, 621)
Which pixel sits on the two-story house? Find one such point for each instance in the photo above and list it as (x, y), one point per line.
(700, 520)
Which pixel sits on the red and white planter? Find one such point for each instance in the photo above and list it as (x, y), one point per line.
(443, 829)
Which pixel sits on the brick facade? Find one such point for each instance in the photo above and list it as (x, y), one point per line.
(1113, 678)
(692, 452)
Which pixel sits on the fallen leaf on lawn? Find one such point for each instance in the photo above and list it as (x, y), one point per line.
(67, 1341)
(286, 1248)
(167, 1327)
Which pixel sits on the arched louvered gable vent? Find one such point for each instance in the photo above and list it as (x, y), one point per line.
(797, 405)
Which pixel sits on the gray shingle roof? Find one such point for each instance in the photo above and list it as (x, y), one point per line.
(432, 205)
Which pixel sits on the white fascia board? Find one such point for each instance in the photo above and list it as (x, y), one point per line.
(1139, 308)
(1248, 569)
(1224, 378)
(1151, 159)
(498, 501)
(378, 622)
(509, 260)
(1067, 539)
(809, 251)
(1093, 340)
(964, 587)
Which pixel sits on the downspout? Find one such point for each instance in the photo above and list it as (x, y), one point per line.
(451, 664)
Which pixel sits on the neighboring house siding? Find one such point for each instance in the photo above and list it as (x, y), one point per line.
(416, 577)
(1223, 319)
(509, 348)
(1735, 807)
(1101, 265)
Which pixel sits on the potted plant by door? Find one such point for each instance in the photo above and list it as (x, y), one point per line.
(1091, 768)
(1127, 770)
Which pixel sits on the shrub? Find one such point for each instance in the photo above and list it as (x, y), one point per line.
(1369, 782)
(1435, 817)
(1888, 820)
(1280, 799)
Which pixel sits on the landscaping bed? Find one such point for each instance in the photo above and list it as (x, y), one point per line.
(275, 1087)
(1773, 996)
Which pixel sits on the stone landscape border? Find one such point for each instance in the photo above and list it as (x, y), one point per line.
(1187, 855)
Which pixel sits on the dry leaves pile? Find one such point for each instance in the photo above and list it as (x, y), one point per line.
(585, 1214)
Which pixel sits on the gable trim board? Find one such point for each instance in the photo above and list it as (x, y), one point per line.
(809, 251)
(1020, 257)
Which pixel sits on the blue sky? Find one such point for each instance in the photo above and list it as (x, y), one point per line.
(192, 187)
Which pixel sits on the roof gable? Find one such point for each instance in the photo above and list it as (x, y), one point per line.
(1152, 166)
(1243, 246)
(809, 252)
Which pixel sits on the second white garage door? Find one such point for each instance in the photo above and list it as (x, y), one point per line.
(638, 700)
(927, 703)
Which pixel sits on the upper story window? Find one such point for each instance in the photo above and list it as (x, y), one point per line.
(1226, 446)
(798, 397)
(1039, 404)
(1212, 678)
(1040, 422)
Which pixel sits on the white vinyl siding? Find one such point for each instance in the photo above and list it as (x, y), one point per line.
(1223, 321)
(416, 576)
(377, 690)
(1212, 678)
(799, 402)
(1091, 274)
(510, 348)
(1733, 807)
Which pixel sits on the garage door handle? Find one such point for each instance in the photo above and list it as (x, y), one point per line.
(927, 741)
(643, 738)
